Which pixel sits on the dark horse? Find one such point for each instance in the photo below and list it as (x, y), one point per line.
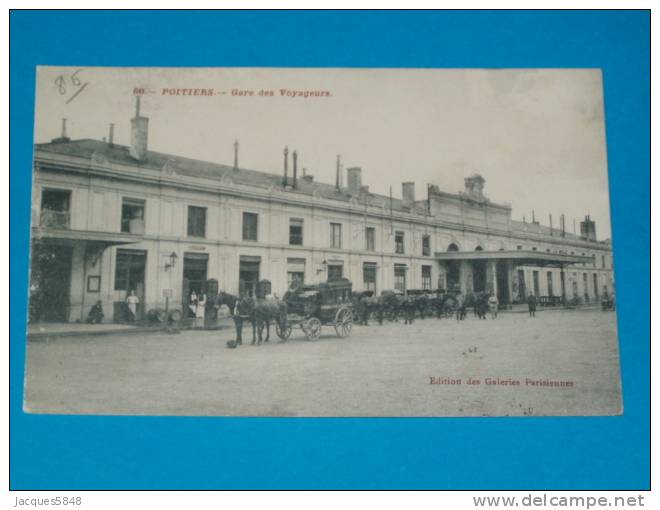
(225, 298)
(260, 313)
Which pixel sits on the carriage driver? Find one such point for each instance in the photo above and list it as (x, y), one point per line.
(241, 313)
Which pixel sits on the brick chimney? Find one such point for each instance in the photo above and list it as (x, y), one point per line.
(408, 193)
(139, 133)
(354, 177)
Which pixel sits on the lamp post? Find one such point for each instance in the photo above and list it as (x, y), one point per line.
(169, 265)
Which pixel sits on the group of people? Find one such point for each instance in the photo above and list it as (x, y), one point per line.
(482, 303)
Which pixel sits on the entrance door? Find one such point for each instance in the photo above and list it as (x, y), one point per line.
(195, 267)
(453, 276)
(503, 283)
(248, 276)
(479, 275)
(522, 290)
(50, 283)
(129, 275)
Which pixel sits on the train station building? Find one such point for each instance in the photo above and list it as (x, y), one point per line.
(108, 219)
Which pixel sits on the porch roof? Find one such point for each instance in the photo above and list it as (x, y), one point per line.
(520, 257)
(66, 237)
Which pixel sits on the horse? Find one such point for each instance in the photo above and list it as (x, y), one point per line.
(265, 311)
(225, 298)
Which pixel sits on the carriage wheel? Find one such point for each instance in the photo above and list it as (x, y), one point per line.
(343, 322)
(284, 332)
(312, 329)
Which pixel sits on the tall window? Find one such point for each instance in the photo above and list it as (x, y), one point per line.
(596, 285)
(196, 221)
(132, 216)
(370, 236)
(550, 288)
(55, 206)
(250, 226)
(426, 246)
(335, 235)
(369, 276)
(296, 231)
(602, 261)
(426, 277)
(398, 242)
(400, 277)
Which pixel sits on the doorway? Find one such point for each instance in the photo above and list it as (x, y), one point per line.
(479, 275)
(129, 275)
(248, 276)
(50, 283)
(195, 271)
(503, 283)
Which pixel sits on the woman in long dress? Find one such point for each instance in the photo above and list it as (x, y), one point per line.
(200, 311)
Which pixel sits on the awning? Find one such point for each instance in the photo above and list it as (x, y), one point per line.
(520, 257)
(84, 237)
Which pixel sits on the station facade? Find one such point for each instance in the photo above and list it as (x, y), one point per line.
(108, 219)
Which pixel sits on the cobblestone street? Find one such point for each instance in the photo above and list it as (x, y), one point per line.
(562, 362)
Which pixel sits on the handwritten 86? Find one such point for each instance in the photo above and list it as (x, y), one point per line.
(61, 82)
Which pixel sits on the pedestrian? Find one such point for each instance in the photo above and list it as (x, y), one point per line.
(493, 306)
(242, 312)
(132, 302)
(200, 310)
(409, 310)
(531, 304)
(460, 307)
(95, 315)
(192, 304)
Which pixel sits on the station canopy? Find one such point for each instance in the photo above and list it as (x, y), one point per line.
(518, 257)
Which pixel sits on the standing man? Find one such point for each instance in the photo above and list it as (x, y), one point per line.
(531, 303)
(132, 301)
(493, 305)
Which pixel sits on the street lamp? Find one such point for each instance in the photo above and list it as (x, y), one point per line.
(172, 262)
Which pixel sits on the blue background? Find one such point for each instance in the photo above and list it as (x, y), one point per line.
(82, 452)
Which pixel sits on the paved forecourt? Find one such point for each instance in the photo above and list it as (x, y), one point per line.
(561, 362)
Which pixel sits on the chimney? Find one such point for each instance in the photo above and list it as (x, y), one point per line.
(408, 193)
(286, 167)
(588, 228)
(304, 171)
(354, 177)
(295, 169)
(235, 155)
(139, 133)
(62, 137)
(111, 135)
(550, 215)
(338, 177)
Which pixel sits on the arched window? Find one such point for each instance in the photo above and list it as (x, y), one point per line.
(452, 247)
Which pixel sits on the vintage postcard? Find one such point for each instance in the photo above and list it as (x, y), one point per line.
(321, 242)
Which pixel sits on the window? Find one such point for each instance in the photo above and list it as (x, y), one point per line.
(400, 277)
(295, 276)
(369, 276)
(534, 248)
(550, 288)
(250, 226)
(602, 261)
(55, 208)
(398, 242)
(132, 216)
(585, 285)
(335, 271)
(335, 235)
(426, 277)
(370, 236)
(519, 247)
(296, 231)
(426, 245)
(196, 221)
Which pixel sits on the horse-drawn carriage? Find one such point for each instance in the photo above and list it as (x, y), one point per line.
(313, 306)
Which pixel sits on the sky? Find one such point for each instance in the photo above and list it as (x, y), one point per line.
(536, 136)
